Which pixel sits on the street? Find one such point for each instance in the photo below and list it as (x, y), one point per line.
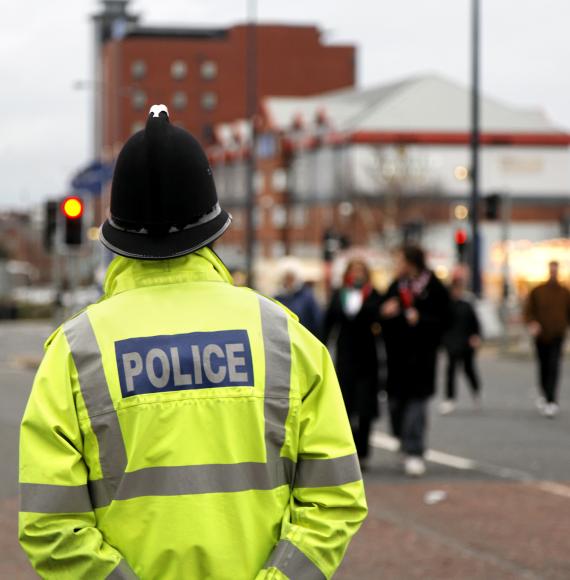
(494, 504)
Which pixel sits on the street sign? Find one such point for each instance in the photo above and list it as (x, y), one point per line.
(93, 178)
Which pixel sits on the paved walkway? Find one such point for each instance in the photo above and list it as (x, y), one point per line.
(482, 530)
(501, 476)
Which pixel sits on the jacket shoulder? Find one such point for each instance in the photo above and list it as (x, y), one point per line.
(436, 282)
(52, 337)
(539, 289)
(392, 289)
(57, 332)
(274, 304)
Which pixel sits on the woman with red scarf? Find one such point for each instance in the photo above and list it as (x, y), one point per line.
(353, 312)
(415, 313)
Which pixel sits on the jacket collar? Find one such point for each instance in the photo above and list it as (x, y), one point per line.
(127, 274)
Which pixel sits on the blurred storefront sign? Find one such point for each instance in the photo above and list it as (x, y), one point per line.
(528, 261)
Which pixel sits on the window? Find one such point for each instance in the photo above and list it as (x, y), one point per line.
(138, 100)
(299, 216)
(179, 100)
(209, 101)
(256, 217)
(178, 70)
(208, 70)
(138, 69)
(278, 250)
(279, 216)
(279, 180)
(258, 182)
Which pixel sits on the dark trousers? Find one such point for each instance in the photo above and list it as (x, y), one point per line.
(361, 433)
(361, 403)
(549, 354)
(409, 424)
(467, 360)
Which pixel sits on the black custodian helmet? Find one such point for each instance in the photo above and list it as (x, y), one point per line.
(163, 197)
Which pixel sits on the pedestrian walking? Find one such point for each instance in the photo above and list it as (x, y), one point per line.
(298, 296)
(353, 316)
(547, 314)
(461, 340)
(181, 427)
(414, 311)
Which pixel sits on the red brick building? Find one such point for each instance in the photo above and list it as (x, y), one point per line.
(201, 74)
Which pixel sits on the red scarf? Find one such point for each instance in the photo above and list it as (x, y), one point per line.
(410, 288)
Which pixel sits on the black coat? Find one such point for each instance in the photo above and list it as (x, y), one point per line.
(356, 352)
(462, 325)
(412, 350)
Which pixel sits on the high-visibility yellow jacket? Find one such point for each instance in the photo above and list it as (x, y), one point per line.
(183, 428)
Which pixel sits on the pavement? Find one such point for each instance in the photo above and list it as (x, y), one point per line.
(495, 503)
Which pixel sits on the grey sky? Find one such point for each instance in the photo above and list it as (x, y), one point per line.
(46, 46)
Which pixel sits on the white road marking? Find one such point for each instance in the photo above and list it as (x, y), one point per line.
(554, 488)
(449, 460)
(384, 441)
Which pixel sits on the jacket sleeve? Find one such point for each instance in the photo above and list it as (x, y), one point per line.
(530, 307)
(389, 323)
(475, 322)
(436, 318)
(327, 503)
(57, 524)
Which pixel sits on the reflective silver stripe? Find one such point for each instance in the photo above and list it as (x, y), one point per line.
(327, 472)
(100, 493)
(95, 391)
(54, 499)
(196, 479)
(289, 560)
(122, 572)
(277, 348)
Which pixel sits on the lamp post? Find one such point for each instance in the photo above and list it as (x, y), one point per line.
(475, 142)
(251, 111)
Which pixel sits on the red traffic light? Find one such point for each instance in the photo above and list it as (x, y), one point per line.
(72, 207)
(460, 237)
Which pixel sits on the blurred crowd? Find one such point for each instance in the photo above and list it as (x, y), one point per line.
(386, 345)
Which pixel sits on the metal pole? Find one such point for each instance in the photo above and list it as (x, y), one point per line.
(97, 96)
(251, 110)
(506, 217)
(475, 140)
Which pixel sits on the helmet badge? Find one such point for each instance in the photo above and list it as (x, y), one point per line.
(155, 110)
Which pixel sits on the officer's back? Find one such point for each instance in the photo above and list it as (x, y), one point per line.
(183, 427)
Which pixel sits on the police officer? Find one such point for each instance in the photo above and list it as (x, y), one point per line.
(181, 427)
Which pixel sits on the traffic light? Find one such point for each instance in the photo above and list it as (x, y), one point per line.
(493, 206)
(461, 244)
(72, 210)
(333, 243)
(50, 224)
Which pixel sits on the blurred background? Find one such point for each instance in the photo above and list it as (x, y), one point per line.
(335, 130)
